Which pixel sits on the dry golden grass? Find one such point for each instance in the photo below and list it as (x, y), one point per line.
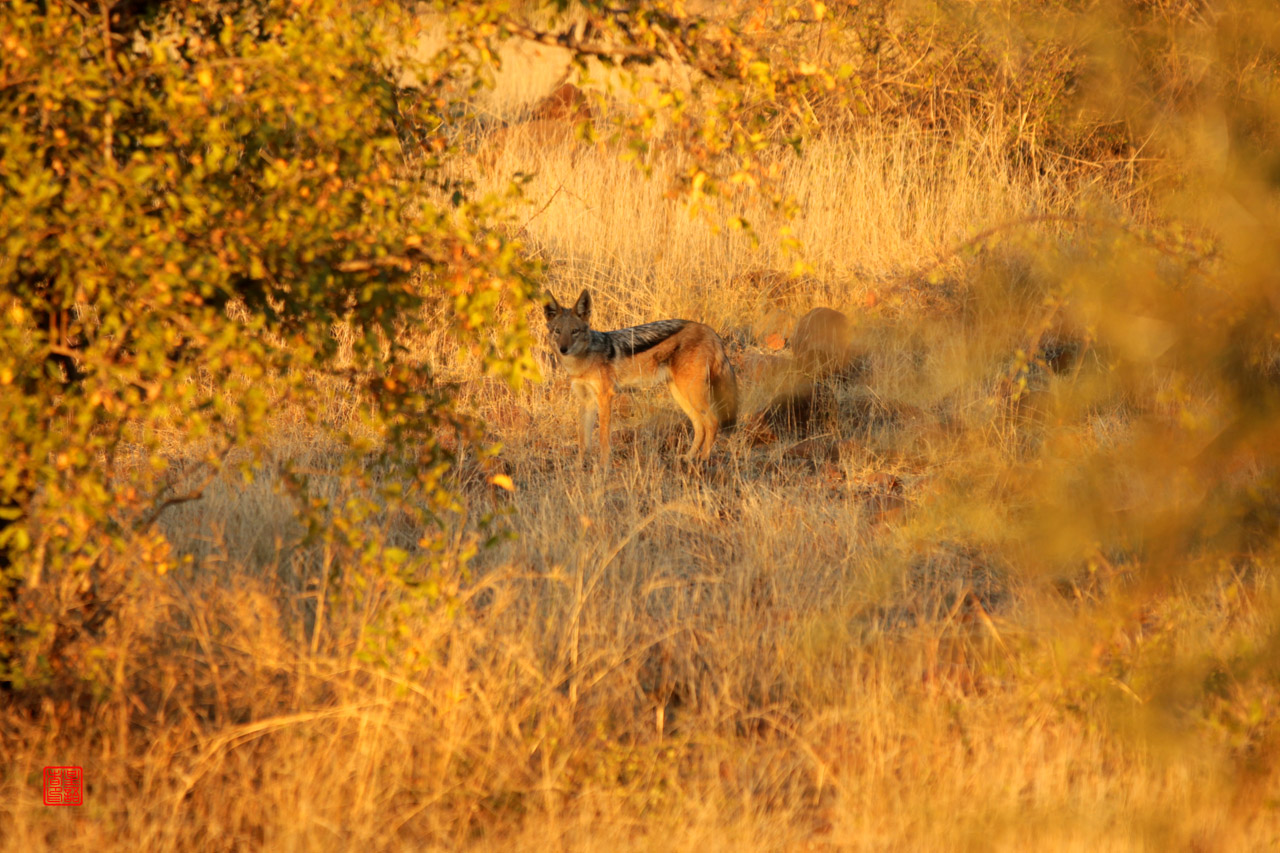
(818, 642)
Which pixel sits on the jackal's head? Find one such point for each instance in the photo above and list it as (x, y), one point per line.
(569, 326)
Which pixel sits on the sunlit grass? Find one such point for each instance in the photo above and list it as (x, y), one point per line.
(891, 629)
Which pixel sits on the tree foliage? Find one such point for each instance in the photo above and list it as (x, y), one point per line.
(190, 204)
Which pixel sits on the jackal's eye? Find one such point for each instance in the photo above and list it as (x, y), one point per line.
(577, 333)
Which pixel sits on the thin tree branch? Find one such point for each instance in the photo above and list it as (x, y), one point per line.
(574, 41)
(399, 262)
(986, 234)
(193, 495)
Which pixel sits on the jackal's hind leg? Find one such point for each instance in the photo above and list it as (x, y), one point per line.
(709, 433)
(701, 417)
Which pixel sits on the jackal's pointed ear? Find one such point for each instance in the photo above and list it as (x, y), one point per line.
(583, 307)
(552, 308)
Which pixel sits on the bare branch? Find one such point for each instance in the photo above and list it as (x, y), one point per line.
(575, 40)
(399, 262)
(193, 495)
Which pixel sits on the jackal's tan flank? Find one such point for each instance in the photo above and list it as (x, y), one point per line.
(688, 356)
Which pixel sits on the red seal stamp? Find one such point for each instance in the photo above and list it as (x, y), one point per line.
(64, 786)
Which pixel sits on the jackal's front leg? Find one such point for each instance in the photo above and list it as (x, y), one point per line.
(605, 405)
(586, 418)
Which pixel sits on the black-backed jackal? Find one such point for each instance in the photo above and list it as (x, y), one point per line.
(688, 356)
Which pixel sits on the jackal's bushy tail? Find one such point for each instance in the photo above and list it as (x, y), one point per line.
(724, 390)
